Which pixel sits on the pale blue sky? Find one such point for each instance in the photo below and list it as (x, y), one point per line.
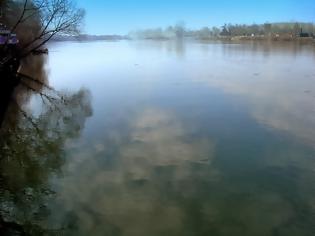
(122, 16)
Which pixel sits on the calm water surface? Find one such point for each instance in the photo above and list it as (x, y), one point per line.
(182, 138)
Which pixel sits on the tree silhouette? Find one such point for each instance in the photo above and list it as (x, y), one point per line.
(37, 21)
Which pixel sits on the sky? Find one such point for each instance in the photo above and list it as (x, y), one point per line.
(123, 16)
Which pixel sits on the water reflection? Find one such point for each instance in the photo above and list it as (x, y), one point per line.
(204, 139)
(127, 182)
(279, 93)
(154, 178)
(213, 141)
(177, 47)
(32, 150)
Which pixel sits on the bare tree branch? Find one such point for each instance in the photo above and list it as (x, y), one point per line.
(26, 116)
(52, 16)
(21, 16)
(23, 76)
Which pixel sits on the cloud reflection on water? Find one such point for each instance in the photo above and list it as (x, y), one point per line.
(275, 81)
(146, 171)
(130, 193)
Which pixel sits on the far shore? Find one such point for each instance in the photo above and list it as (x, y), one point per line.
(209, 39)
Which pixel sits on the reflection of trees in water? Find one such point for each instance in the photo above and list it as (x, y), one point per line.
(136, 182)
(32, 149)
(177, 47)
(34, 22)
(31, 77)
(265, 48)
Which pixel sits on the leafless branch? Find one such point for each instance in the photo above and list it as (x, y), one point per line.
(23, 76)
(53, 100)
(52, 16)
(26, 116)
(21, 16)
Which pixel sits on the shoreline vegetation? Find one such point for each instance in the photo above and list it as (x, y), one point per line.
(286, 31)
(25, 29)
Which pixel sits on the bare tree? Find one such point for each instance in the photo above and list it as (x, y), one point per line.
(56, 17)
(48, 17)
(35, 22)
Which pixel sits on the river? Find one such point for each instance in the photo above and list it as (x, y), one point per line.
(170, 138)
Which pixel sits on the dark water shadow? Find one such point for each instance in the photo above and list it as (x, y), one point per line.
(38, 122)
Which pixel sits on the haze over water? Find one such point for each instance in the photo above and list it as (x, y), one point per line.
(188, 138)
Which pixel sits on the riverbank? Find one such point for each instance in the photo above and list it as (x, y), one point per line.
(276, 38)
(273, 38)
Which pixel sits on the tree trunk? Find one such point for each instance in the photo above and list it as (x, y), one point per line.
(8, 82)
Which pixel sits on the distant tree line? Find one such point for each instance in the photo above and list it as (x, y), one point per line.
(294, 29)
(176, 31)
